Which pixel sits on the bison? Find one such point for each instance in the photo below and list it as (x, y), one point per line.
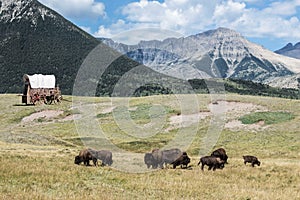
(149, 161)
(183, 160)
(85, 156)
(212, 162)
(251, 159)
(161, 157)
(105, 156)
(220, 153)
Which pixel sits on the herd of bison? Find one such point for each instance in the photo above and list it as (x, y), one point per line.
(161, 158)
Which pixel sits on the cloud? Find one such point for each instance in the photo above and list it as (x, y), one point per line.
(77, 9)
(286, 8)
(132, 33)
(277, 18)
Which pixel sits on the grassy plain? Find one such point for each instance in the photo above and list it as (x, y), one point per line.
(37, 157)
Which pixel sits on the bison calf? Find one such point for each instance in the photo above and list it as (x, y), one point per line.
(251, 159)
(212, 162)
(183, 160)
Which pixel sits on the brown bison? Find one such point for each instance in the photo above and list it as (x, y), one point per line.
(212, 162)
(251, 159)
(183, 160)
(220, 153)
(85, 156)
(161, 157)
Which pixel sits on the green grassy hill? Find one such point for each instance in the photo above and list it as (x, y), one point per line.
(38, 145)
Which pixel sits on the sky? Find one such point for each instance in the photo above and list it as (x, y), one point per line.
(270, 23)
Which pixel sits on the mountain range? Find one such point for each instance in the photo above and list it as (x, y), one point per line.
(35, 39)
(221, 53)
(290, 50)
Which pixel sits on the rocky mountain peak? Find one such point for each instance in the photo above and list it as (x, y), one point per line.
(17, 10)
(220, 33)
(37, 40)
(221, 53)
(297, 45)
(290, 50)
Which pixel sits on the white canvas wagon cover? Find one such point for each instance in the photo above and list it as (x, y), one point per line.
(40, 80)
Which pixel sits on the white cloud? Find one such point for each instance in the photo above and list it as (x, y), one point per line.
(228, 12)
(118, 27)
(132, 33)
(278, 18)
(144, 11)
(286, 8)
(134, 36)
(77, 8)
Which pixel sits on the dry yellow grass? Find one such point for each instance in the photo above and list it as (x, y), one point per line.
(37, 159)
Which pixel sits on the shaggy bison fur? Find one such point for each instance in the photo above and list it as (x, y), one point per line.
(85, 156)
(149, 161)
(183, 160)
(212, 162)
(251, 159)
(161, 157)
(220, 153)
(105, 156)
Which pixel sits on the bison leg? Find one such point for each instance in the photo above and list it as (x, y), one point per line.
(209, 167)
(95, 161)
(87, 163)
(161, 165)
(202, 166)
(215, 167)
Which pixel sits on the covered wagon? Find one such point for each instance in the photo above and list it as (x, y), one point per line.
(39, 89)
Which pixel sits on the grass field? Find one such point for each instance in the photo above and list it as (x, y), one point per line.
(37, 149)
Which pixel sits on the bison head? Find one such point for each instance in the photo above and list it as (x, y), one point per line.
(77, 160)
(149, 160)
(258, 163)
(221, 163)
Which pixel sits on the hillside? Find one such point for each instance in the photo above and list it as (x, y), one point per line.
(40, 143)
(35, 39)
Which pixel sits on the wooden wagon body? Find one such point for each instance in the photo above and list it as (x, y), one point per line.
(40, 89)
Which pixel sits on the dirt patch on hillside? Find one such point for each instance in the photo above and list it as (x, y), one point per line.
(238, 125)
(178, 121)
(230, 109)
(234, 109)
(108, 110)
(45, 114)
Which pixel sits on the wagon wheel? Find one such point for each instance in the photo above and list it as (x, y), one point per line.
(48, 100)
(35, 99)
(58, 99)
